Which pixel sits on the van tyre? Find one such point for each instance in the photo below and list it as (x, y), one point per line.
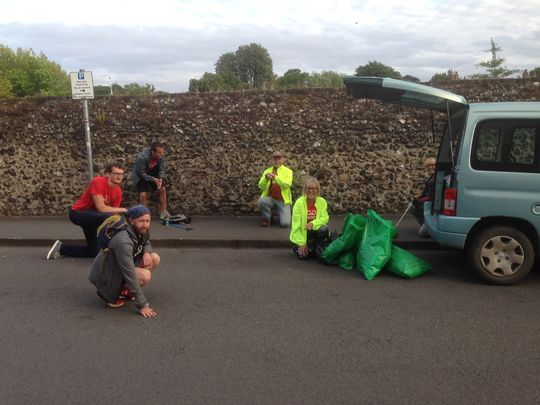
(501, 255)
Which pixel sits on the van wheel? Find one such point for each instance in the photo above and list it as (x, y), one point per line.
(501, 255)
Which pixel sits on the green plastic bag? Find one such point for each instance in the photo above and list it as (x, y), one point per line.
(375, 246)
(352, 231)
(405, 264)
(347, 261)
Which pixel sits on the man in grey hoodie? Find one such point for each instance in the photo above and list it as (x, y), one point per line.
(127, 264)
(149, 175)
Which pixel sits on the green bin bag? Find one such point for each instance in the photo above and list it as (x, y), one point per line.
(405, 264)
(347, 261)
(375, 246)
(353, 228)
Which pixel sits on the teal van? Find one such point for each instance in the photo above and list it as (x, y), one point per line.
(486, 197)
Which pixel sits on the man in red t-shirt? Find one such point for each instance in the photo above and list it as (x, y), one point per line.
(101, 199)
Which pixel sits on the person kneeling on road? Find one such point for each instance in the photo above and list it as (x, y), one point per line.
(309, 230)
(127, 264)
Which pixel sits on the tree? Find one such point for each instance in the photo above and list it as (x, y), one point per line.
(377, 69)
(327, 79)
(208, 82)
(254, 65)
(494, 66)
(535, 72)
(250, 67)
(29, 74)
(227, 68)
(293, 78)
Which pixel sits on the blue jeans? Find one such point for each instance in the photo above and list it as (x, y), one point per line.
(267, 203)
(89, 221)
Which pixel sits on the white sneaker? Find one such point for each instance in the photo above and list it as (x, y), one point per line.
(423, 232)
(54, 251)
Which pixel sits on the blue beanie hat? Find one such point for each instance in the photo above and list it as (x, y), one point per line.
(137, 211)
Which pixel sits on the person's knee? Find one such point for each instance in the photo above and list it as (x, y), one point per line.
(323, 232)
(156, 260)
(145, 276)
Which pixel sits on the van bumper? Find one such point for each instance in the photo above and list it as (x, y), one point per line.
(448, 231)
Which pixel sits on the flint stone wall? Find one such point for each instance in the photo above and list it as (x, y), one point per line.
(366, 154)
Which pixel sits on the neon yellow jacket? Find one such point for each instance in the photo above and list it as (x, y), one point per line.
(283, 179)
(298, 234)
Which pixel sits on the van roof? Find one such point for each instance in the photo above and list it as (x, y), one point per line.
(510, 106)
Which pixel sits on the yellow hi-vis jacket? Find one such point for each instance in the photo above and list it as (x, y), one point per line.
(298, 234)
(283, 179)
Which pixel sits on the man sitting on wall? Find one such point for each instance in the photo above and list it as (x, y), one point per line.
(275, 185)
(127, 264)
(101, 199)
(149, 175)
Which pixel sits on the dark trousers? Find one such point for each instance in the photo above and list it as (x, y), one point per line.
(317, 242)
(89, 221)
(418, 211)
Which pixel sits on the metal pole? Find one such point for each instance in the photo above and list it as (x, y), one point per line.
(407, 210)
(88, 141)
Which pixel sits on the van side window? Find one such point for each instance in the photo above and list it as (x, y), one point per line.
(501, 145)
(523, 145)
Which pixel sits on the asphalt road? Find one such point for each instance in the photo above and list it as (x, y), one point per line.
(259, 327)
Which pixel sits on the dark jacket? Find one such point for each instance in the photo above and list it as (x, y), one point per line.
(115, 266)
(139, 169)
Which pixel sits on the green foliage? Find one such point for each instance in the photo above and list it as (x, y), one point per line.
(254, 66)
(535, 72)
(208, 82)
(377, 69)
(494, 66)
(293, 78)
(326, 79)
(443, 77)
(101, 90)
(131, 89)
(23, 73)
(250, 67)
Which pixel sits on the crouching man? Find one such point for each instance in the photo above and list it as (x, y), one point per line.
(120, 271)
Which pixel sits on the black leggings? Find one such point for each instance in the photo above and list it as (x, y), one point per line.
(317, 242)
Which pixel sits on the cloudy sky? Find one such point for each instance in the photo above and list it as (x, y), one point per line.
(167, 42)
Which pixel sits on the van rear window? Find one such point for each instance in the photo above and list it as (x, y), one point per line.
(501, 145)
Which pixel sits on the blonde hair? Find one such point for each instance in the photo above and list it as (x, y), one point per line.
(429, 161)
(311, 181)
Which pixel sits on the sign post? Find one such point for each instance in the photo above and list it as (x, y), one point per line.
(82, 88)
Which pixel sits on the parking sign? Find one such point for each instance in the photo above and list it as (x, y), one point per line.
(82, 85)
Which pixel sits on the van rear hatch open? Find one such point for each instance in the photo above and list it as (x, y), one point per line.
(418, 95)
(406, 93)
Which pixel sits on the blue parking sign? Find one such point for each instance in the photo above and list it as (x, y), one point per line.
(81, 75)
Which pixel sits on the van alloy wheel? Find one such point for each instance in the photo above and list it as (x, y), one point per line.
(501, 255)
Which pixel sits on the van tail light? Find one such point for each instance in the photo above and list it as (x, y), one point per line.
(450, 201)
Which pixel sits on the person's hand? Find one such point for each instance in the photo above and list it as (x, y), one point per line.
(147, 312)
(123, 210)
(147, 260)
(158, 182)
(303, 250)
(309, 226)
(269, 176)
